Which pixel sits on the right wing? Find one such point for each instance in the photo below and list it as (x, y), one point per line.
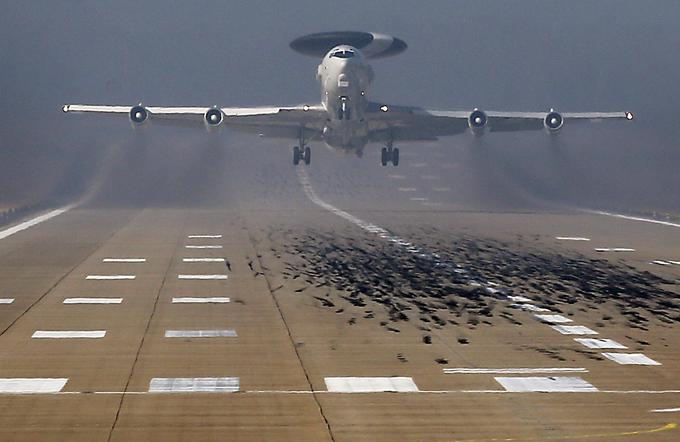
(282, 122)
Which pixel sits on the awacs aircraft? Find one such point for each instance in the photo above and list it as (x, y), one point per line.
(346, 119)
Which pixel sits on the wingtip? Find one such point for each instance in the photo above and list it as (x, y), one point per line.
(630, 116)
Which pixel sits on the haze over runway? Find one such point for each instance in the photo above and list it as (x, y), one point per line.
(177, 284)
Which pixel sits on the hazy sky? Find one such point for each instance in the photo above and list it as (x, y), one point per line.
(505, 55)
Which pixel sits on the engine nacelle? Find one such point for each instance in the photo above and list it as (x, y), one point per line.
(213, 117)
(139, 114)
(477, 121)
(553, 121)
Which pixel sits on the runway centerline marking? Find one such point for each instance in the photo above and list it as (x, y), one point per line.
(203, 247)
(6, 300)
(32, 222)
(68, 334)
(665, 410)
(93, 301)
(202, 276)
(129, 260)
(204, 236)
(202, 259)
(200, 333)
(109, 277)
(614, 249)
(571, 238)
(200, 300)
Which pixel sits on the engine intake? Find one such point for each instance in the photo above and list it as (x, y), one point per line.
(213, 117)
(477, 121)
(138, 114)
(553, 121)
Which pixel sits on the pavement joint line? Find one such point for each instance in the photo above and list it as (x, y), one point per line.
(34, 221)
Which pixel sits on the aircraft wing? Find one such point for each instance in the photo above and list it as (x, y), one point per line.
(281, 122)
(413, 123)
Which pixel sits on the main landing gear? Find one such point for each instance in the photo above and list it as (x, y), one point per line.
(388, 154)
(302, 154)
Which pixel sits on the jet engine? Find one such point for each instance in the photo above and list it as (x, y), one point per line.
(213, 117)
(477, 121)
(553, 121)
(139, 114)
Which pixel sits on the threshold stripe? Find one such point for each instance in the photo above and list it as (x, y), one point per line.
(31, 385)
(6, 300)
(202, 276)
(203, 259)
(93, 300)
(110, 277)
(200, 333)
(199, 300)
(133, 260)
(69, 334)
(194, 385)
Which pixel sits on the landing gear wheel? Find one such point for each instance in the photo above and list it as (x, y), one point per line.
(384, 158)
(395, 157)
(296, 155)
(308, 155)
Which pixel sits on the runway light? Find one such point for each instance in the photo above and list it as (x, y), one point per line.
(305, 108)
(384, 108)
(629, 116)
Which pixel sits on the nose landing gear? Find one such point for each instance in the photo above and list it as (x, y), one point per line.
(389, 154)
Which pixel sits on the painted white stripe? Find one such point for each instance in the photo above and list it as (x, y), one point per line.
(110, 277)
(204, 236)
(194, 385)
(636, 218)
(441, 189)
(614, 249)
(661, 263)
(529, 307)
(520, 299)
(599, 343)
(513, 370)
(32, 222)
(202, 276)
(677, 263)
(203, 259)
(131, 260)
(554, 319)
(429, 177)
(397, 177)
(665, 410)
(418, 198)
(93, 300)
(574, 330)
(6, 300)
(198, 300)
(200, 333)
(558, 384)
(370, 384)
(203, 247)
(69, 334)
(571, 238)
(406, 189)
(630, 359)
(31, 385)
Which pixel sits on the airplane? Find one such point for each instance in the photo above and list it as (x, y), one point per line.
(346, 120)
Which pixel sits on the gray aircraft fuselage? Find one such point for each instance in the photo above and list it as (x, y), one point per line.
(345, 78)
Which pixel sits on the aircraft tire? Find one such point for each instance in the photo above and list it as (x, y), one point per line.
(395, 157)
(383, 156)
(296, 155)
(308, 155)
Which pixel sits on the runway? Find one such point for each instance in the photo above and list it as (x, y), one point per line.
(252, 300)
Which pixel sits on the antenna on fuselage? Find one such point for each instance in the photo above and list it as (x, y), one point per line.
(371, 44)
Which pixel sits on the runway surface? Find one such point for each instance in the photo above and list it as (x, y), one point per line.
(242, 298)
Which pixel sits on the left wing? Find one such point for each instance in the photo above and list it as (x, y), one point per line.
(284, 122)
(387, 122)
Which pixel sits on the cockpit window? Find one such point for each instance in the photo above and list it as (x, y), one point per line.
(343, 54)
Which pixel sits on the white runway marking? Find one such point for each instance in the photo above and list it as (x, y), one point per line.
(370, 384)
(203, 247)
(204, 236)
(194, 385)
(418, 165)
(32, 222)
(406, 189)
(6, 300)
(665, 410)
(441, 189)
(558, 384)
(93, 300)
(554, 319)
(571, 238)
(599, 343)
(31, 385)
(110, 277)
(614, 249)
(202, 276)
(630, 359)
(203, 260)
(69, 334)
(130, 260)
(199, 300)
(665, 263)
(513, 370)
(418, 198)
(200, 333)
(574, 330)
(519, 299)
(430, 177)
(636, 218)
(396, 177)
(529, 307)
